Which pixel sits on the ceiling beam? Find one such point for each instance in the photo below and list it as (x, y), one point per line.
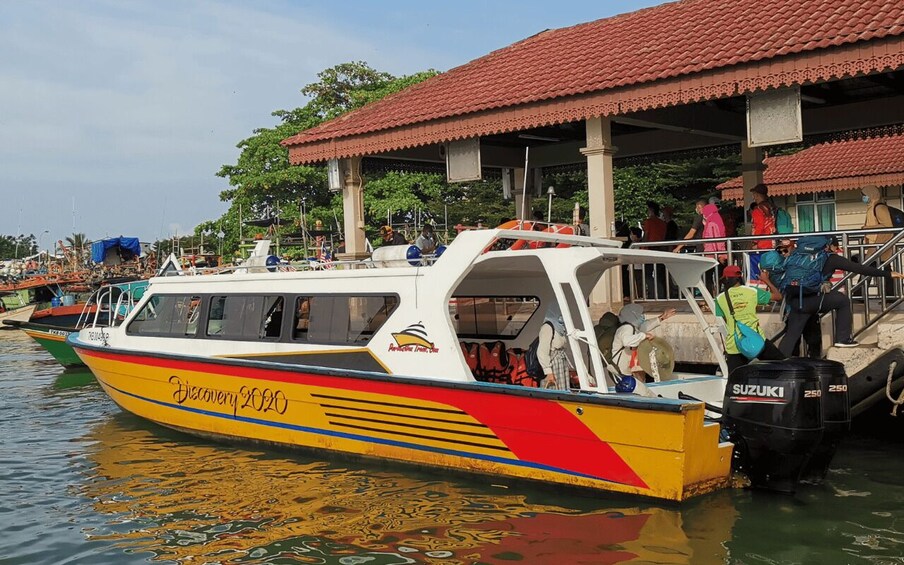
(695, 119)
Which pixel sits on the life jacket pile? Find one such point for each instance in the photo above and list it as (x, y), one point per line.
(492, 362)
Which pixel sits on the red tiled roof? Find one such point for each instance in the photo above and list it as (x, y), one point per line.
(839, 165)
(691, 39)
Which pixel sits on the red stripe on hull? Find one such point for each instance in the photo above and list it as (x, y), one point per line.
(515, 420)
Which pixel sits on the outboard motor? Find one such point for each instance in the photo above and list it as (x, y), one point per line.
(772, 412)
(836, 414)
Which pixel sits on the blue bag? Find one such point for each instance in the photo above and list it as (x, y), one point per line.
(783, 223)
(532, 362)
(749, 341)
(773, 262)
(803, 268)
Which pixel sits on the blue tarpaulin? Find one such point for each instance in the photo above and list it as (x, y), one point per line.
(129, 247)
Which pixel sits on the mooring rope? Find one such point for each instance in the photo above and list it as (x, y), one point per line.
(900, 400)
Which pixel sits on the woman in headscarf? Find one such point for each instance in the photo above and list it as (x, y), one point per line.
(551, 350)
(713, 228)
(633, 330)
(878, 215)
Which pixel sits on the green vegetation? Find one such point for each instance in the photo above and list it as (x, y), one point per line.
(15, 247)
(263, 184)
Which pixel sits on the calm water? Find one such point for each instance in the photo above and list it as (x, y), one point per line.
(83, 482)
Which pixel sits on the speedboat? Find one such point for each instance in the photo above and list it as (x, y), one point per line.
(368, 360)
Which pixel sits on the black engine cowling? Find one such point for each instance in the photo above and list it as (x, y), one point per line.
(772, 411)
(836, 414)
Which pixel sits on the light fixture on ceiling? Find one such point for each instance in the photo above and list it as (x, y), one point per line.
(812, 99)
(537, 137)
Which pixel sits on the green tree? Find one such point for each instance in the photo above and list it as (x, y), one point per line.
(77, 243)
(262, 180)
(16, 246)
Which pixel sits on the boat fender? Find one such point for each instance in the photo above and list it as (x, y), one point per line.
(630, 385)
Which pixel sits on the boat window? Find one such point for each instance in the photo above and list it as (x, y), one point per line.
(302, 317)
(167, 315)
(245, 317)
(491, 317)
(341, 319)
(273, 306)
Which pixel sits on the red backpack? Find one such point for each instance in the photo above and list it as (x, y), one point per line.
(728, 220)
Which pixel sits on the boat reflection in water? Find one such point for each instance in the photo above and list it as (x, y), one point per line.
(178, 500)
(74, 377)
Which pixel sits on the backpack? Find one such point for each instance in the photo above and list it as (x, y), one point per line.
(518, 369)
(768, 219)
(783, 223)
(605, 333)
(728, 220)
(531, 361)
(803, 268)
(897, 216)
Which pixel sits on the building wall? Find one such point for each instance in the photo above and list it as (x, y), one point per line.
(850, 211)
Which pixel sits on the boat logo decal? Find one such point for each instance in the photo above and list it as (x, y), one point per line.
(768, 394)
(413, 339)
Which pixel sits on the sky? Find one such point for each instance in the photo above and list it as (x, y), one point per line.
(115, 116)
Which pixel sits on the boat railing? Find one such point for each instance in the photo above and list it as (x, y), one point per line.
(114, 311)
(874, 296)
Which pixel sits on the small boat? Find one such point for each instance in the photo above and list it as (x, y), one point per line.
(107, 306)
(368, 362)
(20, 314)
(21, 297)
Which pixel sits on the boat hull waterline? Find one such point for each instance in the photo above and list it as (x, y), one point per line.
(53, 340)
(656, 448)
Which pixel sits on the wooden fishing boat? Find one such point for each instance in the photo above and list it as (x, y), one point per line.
(106, 307)
(21, 297)
(369, 362)
(20, 314)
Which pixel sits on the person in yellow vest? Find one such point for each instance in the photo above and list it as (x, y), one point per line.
(743, 302)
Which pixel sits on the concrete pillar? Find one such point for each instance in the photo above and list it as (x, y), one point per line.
(353, 208)
(752, 168)
(518, 191)
(601, 196)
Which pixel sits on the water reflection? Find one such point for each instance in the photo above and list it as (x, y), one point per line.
(74, 377)
(180, 500)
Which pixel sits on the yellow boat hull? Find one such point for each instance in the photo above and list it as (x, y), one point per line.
(649, 447)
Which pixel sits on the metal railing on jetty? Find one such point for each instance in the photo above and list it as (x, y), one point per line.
(875, 297)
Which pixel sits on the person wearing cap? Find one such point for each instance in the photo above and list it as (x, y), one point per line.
(762, 216)
(801, 307)
(744, 300)
(392, 237)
